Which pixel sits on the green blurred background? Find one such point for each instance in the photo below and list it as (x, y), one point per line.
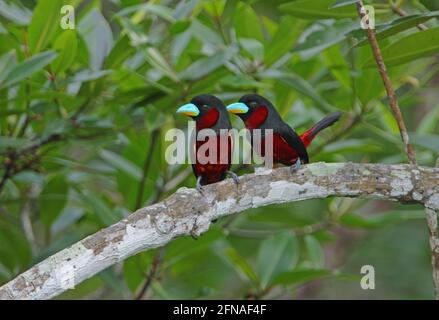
(83, 114)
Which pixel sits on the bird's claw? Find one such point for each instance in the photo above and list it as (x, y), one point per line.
(194, 229)
(199, 187)
(193, 233)
(296, 166)
(234, 177)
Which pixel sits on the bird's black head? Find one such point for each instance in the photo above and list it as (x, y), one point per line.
(207, 110)
(253, 105)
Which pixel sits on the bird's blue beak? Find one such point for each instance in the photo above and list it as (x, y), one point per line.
(237, 107)
(189, 109)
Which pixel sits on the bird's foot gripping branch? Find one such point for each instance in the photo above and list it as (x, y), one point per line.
(186, 212)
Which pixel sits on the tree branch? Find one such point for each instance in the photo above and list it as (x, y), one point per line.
(187, 212)
(434, 246)
(151, 274)
(393, 101)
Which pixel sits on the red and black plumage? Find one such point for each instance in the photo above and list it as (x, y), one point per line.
(259, 113)
(211, 114)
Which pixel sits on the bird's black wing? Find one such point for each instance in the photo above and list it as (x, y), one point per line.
(293, 139)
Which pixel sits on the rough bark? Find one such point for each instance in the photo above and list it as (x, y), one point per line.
(187, 212)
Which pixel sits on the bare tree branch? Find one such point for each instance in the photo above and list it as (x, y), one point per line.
(393, 101)
(151, 274)
(187, 212)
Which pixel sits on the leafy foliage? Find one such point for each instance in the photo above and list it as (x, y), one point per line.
(83, 114)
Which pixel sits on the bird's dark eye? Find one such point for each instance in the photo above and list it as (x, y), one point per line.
(253, 104)
(205, 106)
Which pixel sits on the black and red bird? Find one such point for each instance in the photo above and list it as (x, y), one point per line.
(209, 112)
(288, 147)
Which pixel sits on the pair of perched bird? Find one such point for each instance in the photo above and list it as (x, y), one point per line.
(257, 113)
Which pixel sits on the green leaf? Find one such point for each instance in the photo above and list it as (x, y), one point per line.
(53, 199)
(429, 121)
(44, 24)
(317, 9)
(425, 140)
(242, 82)
(66, 44)
(159, 10)
(315, 252)
(253, 47)
(352, 146)
(299, 276)
(28, 67)
(88, 75)
(380, 219)
(287, 33)
(134, 269)
(202, 67)
(15, 12)
(367, 81)
(106, 215)
(120, 52)
(155, 59)
(12, 142)
(301, 85)
(204, 33)
(247, 23)
(122, 164)
(114, 281)
(180, 26)
(337, 65)
(67, 218)
(393, 27)
(97, 34)
(342, 3)
(7, 62)
(276, 254)
(241, 265)
(327, 36)
(43, 107)
(414, 46)
(185, 247)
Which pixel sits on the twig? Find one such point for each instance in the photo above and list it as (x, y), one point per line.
(151, 274)
(12, 157)
(257, 234)
(393, 101)
(26, 224)
(352, 121)
(430, 212)
(146, 165)
(27, 89)
(399, 11)
(8, 169)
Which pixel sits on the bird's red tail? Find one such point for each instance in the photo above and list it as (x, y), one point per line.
(327, 121)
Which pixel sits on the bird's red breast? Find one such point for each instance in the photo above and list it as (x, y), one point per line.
(213, 168)
(208, 120)
(257, 118)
